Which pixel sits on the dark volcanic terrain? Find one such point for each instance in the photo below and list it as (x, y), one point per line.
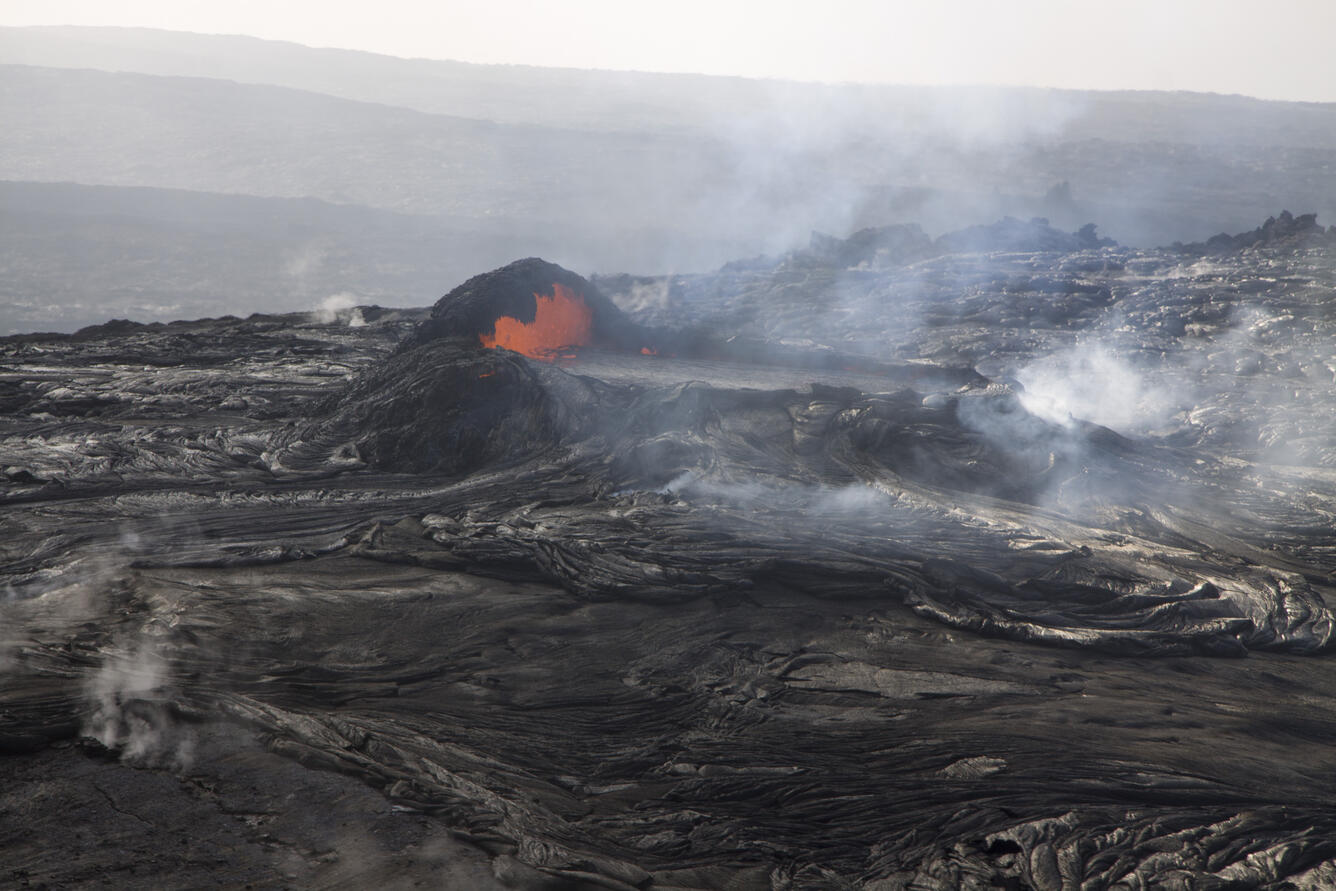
(997, 560)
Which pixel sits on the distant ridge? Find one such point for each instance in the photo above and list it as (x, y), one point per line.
(635, 101)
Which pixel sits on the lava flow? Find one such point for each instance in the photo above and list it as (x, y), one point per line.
(560, 323)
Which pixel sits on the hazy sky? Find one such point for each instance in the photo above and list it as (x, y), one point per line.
(1276, 49)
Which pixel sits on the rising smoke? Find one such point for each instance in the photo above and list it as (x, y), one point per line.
(130, 700)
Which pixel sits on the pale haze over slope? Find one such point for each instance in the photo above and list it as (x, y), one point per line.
(604, 171)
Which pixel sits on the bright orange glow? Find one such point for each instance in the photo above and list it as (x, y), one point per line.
(560, 323)
(646, 351)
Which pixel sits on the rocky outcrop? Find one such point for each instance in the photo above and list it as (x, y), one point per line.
(898, 245)
(1284, 231)
(879, 246)
(1011, 234)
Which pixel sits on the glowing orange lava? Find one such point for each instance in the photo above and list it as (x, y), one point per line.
(560, 323)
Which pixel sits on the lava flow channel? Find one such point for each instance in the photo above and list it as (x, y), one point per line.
(561, 323)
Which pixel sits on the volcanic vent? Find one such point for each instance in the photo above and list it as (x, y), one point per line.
(454, 397)
(531, 307)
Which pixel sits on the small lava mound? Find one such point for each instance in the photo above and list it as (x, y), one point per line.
(448, 409)
(446, 402)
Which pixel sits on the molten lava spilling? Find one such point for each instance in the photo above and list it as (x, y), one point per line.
(560, 323)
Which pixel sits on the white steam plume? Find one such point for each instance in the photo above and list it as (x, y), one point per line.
(129, 697)
(336, 306)
(1093, 383)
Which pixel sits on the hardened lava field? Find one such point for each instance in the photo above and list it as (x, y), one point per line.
(999, 560)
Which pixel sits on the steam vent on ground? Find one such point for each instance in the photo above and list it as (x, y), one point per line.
(1002, 559)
